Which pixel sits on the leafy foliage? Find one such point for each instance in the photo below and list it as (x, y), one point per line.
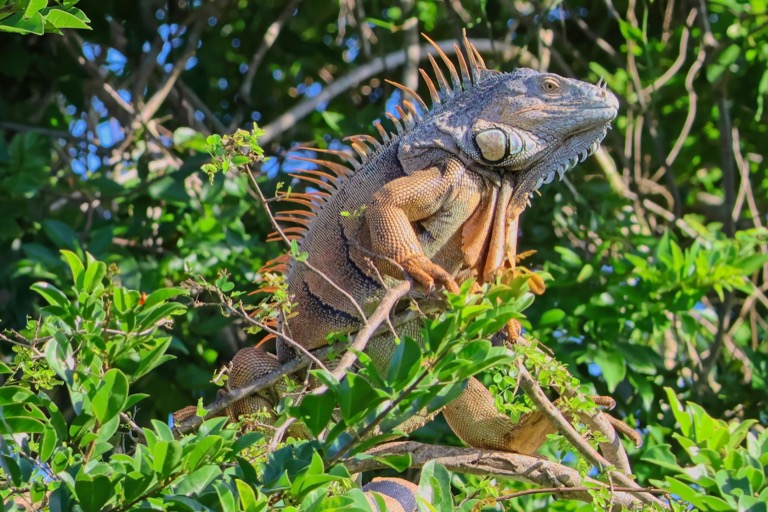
(36, 17)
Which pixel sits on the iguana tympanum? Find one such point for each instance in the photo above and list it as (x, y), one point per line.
(437, 201)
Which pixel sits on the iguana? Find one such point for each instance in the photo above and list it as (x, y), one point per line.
(437, 202)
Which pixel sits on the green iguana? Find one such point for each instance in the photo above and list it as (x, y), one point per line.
(438, 201)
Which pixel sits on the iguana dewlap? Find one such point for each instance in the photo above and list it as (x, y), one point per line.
(437, 202)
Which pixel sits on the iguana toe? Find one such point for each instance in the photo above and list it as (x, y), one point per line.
(427, 273)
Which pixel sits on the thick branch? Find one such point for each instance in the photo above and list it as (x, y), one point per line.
(155, 102)
(474, 461)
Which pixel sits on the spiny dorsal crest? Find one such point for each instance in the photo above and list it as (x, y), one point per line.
(471, 71)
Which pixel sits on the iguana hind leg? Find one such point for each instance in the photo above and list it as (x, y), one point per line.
(247, 365)
(473, 417)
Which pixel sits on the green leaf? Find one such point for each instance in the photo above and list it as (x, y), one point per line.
(125, 299)
(204, 451)
(661, 455)
(62, 235)
(10, 465)
(189, 138)
(435, 487)
(225, 493)
(50, 293)
(357, 397)
(397, 462)
(614, 368)
(149, 317)
(332, 119)
(246, 495)
(551, 317)
(111, 396)
(351, 501)
(154, 358)
(725, 59)
(681, 415)
(60, 18)
(586, 272)
(315, 411)
(93, 492)
(167, 455)
(165, 433)
(48, 442)
(163, 294)
(405, 362)
(19, 424)
(75, 265)
(93, 275)
(14, 395)
(33, 7)
(197, 481)
(135, 484)
(246, 441)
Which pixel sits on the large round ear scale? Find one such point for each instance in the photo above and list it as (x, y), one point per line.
(493, 144)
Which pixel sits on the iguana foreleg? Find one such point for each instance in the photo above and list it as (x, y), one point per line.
(391, 213)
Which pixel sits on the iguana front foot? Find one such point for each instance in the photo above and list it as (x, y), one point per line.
(426, 273)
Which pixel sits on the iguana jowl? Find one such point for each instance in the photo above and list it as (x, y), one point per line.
(439, 201)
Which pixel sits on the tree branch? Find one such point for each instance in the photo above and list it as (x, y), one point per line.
(270, 36)
(361, 73)
(534, 392)
(475, 461)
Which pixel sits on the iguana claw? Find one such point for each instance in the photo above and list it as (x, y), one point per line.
(426, 273)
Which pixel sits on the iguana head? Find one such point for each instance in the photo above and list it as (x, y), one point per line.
(538, 124)
(527, 125)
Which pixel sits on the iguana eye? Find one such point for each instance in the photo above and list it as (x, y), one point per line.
(550, 85)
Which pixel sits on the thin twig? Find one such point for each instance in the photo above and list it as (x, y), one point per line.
(692, 102)
(135, 428)
(269, 379)
(270, 36)
(388, 301)
(282, 235)
(745, 188)
(679, 61)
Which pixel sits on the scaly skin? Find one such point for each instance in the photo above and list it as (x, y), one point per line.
(439, 203)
